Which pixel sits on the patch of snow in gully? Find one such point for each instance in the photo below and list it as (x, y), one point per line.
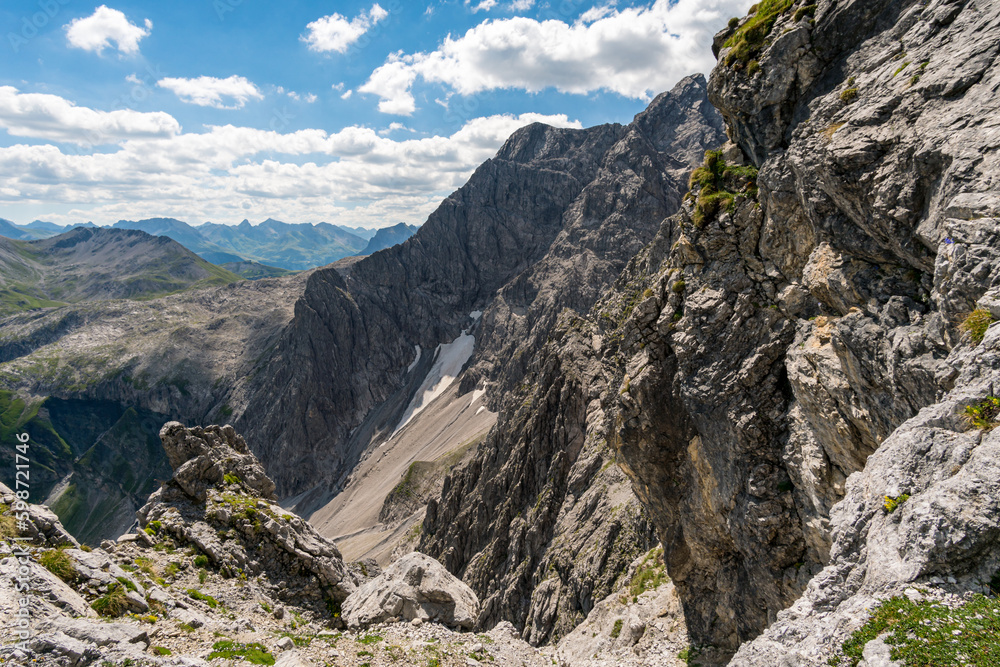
(448, 362)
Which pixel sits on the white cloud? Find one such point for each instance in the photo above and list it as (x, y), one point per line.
(394, 127)
(347, 95)
(520, 5)
(53, 118)
(209, 91)
(635, 52)
(310, 98)
(483, 6)
(226, 173)
(106, 25)
(336, 33)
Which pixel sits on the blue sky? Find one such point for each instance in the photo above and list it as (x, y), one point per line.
(358, 113)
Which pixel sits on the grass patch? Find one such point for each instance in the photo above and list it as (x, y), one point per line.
(616, 629)
(750, 38)
(162, 650)
(713, 180)
(976, 324)
(112, 603)
(59, 564)
(370, 639)
(198, 595)
(983, 415)
(802, 12)
(930, 633)
(201, 560)
(848, 95)
(650, 575)
(254, 653)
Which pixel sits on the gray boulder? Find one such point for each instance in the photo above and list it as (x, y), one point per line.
(415, 586)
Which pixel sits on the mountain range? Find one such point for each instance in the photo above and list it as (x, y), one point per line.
(272, 244)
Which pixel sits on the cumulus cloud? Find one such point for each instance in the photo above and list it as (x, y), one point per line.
(521, 5)
(225, 173)
(53, 118)
(336, 33)
(209, 91)
(635, 52)
(106, 25)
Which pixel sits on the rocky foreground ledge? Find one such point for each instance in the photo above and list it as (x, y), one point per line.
(217, 573)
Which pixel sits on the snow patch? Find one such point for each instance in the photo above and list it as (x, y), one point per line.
(476, 314)
(481, 408)
(448, 361)
(476, 394)
(415, 361)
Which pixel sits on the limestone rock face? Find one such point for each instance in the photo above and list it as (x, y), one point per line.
(792, 358)
(202, 457)
(41, 525)
(221, 502)
(415, 586)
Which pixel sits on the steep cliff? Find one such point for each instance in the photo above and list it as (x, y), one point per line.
(794, 321)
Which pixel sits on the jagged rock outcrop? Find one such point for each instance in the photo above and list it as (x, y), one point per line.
(221, 502)
(36, 522)
(414, 587)
(539, 523)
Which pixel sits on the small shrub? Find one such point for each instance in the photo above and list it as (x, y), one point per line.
(617, 628)
(645, 295)
(86, 549)
(890, 504)
(231, 478)
(112, 603)
(266, 607)
(848, 95)
(678, 286)
(156, 526)
(983, 415)
(734, 23)
(976, 324)
(172, 569)
(59, 564)
(202, 576)
(753, 67)
(201, 560)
